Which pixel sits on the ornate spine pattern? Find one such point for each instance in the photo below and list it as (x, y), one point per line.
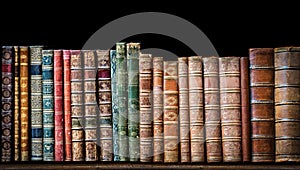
(145, 95)
(196, 108)
(287, 104)
(212, 109)
(105, 101)
(17, 105)
(36, 103)
(48, 105)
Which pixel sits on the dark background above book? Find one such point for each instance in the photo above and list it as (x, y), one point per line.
(232, 28)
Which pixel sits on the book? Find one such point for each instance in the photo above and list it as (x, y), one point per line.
(17, 105)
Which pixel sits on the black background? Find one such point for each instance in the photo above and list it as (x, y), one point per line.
(233, 28)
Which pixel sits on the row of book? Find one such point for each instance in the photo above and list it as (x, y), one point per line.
(123, 105)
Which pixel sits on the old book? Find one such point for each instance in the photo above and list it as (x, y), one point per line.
(157, 101)
(196, 109)
(184, 116)
(230, 105)
(287, 104)
(7, 103)
(245, 109)
(212, 109)
(77, 110)
(58, 106)
(121, 77)
(17, 105)
(24, 62)
(261, 62)
(48, 105)
(105, 105)
(145, 98)
(170, 108)
(67, 105)
(36, 94)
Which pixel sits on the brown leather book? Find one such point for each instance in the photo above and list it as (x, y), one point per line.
(230, 105)
(287, 104)
(17, 106)
(212, 109)
(262, 103)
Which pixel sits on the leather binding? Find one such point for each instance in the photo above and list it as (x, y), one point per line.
(230, 105)
(212, 109)
(184, 116)
(36, 103)
(287, 104)
(261, 62)
(196, 105)
(105, 105)
(158, 135)
(145, 98)
(17, 105)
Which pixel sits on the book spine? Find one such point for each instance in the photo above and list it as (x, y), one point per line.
(17, 105)
(230, 105)
(287, 104)
(145, 98)
(58, 106)
(24, 60)
(121, 77)
(7, 104)
(170, 110)
(212, 109)
(67, 105)
(245, 109)
(36, 103)
(133, 52)
(158, 135)
(261, 62)
(196, 108)
(48, 105)
(77, 106)
(184, 115)
(105, 105)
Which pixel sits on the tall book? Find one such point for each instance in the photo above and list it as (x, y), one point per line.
(184, 116)
(67, 105)
(48, 105)
(7, 103)
(36, 103)
(230, 105)
(157, 109)
(105, 105)
(133, 52)
(196, 108)
(58, 106)
(24, 62)
(17, 106)
(212, 109)
(145, 98)
(261, 62)
(287, 104)
(121, 84)
(170, 110)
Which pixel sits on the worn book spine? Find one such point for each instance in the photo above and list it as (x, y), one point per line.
(230, 105)
(196, 109)
(245, 109)
(145, 98)
(24, 62)
(184, 116)
(170, 108)
(58, 106)
(158, 135)
(261, 67)
(287, 104)
(77, 106)
(67, 105)
(105, 105)
(36, 103)
(48, 105)
(17, 106)
(212, 109)
(122, 81)
(7, 103)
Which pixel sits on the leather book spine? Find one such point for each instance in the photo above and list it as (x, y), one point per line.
(17, 135)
